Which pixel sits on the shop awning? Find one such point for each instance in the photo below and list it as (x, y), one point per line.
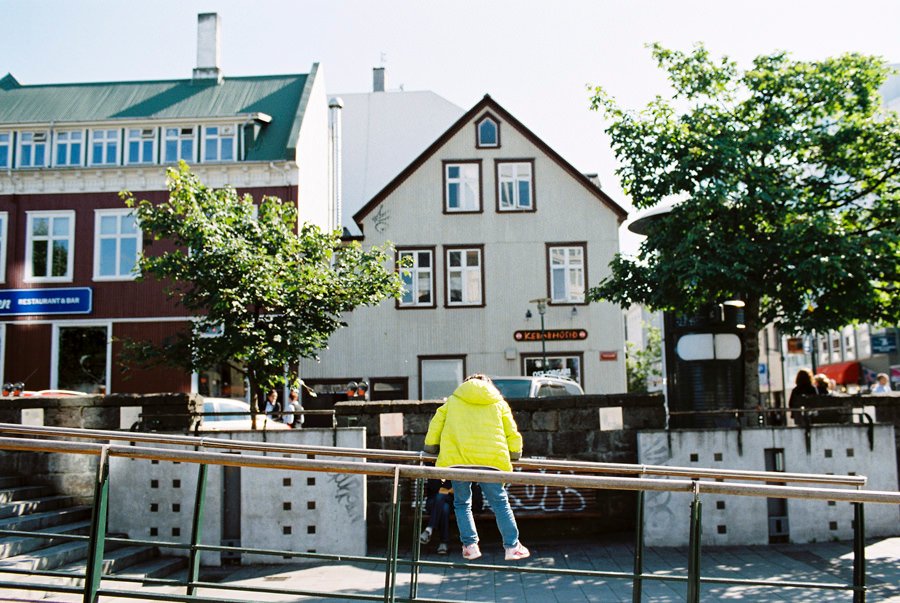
(843, 373)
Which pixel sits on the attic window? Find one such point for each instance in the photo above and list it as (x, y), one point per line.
(488, 133)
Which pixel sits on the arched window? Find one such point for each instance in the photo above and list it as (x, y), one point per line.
(488, 133)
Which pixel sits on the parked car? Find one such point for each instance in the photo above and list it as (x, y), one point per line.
(234, 422)
(542, 386)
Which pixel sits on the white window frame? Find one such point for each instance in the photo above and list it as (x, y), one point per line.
(7, 144)
(54, 349)
(30, 240)
(184, 133)
(575, 273)
(66, 139)
(416, 272)
(30, 139)
(140, 135)
(521, 171)
(104, 141)
(4, 230)
(470, 182)
(216, 139)
(118, 236)
(464, 272)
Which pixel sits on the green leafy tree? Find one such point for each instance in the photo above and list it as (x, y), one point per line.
(642, 365)
(273, 289)
(786, 181)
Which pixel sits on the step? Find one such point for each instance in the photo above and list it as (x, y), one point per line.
(35, 505)
(48, 558)
(23, 493)
(11, 481)
(159, 567)
(116, 560)
(10, 546)
(36, 522)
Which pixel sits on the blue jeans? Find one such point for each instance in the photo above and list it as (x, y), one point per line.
(439, 520)
(495, 494)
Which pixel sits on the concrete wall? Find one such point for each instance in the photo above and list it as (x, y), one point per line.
(733, 520)
(286, 510)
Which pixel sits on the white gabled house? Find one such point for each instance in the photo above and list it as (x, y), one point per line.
(491, 219)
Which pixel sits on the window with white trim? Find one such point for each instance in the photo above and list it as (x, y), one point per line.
(417, 277)
(488, 133)
(515, 183)
(5, 149)
(68, 147)
(32, 150)
(464, 277)
(105, 147)
(219, 143)
(117, 244)
(462, 186)
(4, 223)
(49, 246)
(567, 273)
(178, 144)
(141, 145)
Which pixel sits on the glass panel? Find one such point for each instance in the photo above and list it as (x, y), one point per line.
(425, 259)
(455, 287)
(108, 225)
(487, 132)
(60, 258)
(453, 195)
(407, 298)
(107, 257)
(128, 225)
(472, 258)
(210, 154)
(111, 152)
(424, 286)
(454, 258)
(60, 227)
(61, 154)
(26, 156)
(39, 155)
(187, 149)
(134, 150)
(128, 256)
(40, 227)
(524, 193)
(97, 154)
(473, 287)
(440, 378)
(39, 258)
(147, 151)
(506, 170)
(470, 196)
(227, 149)
(559, 284)
(212, 131)
(171, 150)
(82, 359)
(453, 171)
(557, 256)
(506, 194)
(4, 156)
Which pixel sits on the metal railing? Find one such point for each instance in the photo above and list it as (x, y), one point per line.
(410, 465)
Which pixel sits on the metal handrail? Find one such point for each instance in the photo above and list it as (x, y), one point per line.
(694, 580)
(418, 457)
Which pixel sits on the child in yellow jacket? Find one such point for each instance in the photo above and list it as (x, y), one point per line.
(475, 428)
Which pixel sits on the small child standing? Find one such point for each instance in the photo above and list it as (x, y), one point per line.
(475, 428)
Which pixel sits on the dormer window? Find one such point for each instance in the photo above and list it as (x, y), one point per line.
(219, 143)
(32, 149)
(487, 131)
(141, 145)
(178, 144)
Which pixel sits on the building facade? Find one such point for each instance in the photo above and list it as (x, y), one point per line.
(69, 293)
(500, 238)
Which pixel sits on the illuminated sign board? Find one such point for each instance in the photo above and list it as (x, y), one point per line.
(551, 335)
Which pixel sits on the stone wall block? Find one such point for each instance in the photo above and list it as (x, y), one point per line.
(545, 421)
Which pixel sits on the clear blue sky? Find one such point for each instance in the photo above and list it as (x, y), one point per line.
(534, 57)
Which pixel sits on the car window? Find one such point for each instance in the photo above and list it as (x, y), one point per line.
(234, 407)
(551, 389)
(514, 388)
(573, 389)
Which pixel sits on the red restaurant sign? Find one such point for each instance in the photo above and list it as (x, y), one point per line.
(609, 355)
(551, 335)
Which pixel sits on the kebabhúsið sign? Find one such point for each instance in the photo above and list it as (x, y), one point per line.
(23, 302)
(551, 335)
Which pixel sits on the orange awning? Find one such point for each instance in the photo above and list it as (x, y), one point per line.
(844, 373)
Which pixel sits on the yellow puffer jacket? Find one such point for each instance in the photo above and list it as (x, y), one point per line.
(474, 427)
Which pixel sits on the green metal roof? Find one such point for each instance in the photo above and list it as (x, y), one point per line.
(280, 96)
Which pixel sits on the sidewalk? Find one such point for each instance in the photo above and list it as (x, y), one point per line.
(823, 562)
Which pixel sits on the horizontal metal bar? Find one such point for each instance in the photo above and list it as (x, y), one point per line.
(414, 471)
(559, 465)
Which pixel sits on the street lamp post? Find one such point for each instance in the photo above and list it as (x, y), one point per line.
(542, 309)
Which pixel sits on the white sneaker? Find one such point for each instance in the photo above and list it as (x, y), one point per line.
(471, 551)
(514, 553)
(425, 536)
(442, 548)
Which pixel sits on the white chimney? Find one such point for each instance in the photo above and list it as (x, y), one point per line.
(335, 105)
(207, 69)
(378, 79)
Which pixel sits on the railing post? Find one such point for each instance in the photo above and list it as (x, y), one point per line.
(196, 527)
(637, 585)
(390, 575)
(97, 542)
(416, 546)
(859, 553)
(693, 590)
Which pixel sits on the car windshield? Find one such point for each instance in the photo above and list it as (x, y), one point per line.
(513, 388)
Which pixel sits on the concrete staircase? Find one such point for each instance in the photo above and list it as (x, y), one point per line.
(25, 508)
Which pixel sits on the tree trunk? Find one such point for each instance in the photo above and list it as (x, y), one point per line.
(254, 395)
(751, 352)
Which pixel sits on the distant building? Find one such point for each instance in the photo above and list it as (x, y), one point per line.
(490, 219)
(68, 246)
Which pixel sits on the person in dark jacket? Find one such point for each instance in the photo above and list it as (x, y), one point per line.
(803, 387)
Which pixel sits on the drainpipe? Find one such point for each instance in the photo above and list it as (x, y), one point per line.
(335, 105)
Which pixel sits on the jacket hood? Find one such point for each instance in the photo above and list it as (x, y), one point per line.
(478, 392)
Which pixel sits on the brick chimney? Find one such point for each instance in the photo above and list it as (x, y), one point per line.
(207, 70)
